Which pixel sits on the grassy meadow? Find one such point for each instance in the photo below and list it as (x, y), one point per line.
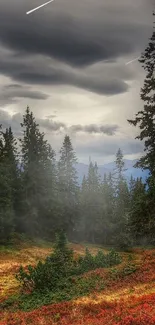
(123, 294)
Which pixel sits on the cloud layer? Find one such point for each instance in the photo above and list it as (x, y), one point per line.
(77, 33)
(70, 57)
(11, 93)
(53, 126)
(58, 44)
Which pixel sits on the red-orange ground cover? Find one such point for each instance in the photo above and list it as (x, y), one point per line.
(127, 300)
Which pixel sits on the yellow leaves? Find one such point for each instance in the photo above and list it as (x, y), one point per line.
(109, 296)
(8, 285)
(10, 263)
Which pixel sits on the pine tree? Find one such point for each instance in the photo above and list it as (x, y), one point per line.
(83, 196)
(84, 184)
(138, 215)
(110, 181)
(93, 206)
(49, 210)
(131, 188)
(8, 183)
(108, 191)
(37, 177)
(145, 119)
(68, 187)
(119, 165)
(121, 205)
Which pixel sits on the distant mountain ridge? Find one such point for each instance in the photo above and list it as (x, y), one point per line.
(82, 170)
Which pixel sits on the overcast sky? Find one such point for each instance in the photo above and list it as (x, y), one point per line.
(67, 62)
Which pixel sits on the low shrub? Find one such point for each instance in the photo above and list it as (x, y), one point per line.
(51, 273)
(89, 262)
(59, 268)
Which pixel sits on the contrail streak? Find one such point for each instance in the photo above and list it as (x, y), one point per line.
(44, 4)
(132, 60)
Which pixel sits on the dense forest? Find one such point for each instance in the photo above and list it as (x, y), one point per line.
(40, 195)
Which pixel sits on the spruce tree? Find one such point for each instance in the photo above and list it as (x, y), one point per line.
(8, 183)
(37, 178)
(119, 165)
(107, 190)
(131, 188)
(145, 119)
(68, 187)
(93, 207)
(139, 213)
(121, 205)
(83, 196)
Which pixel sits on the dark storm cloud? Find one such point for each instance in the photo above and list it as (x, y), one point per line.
(50, 125)
(66, 31)
(76, 33)
(35, 71)
(55, 126)
(11, 93)
(12, 86)
(93, 128)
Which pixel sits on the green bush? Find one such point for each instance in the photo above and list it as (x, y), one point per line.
(100, 259)
(59, 268)
(50, 274)
(113, 258)
(88, 262)
(84, 263)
